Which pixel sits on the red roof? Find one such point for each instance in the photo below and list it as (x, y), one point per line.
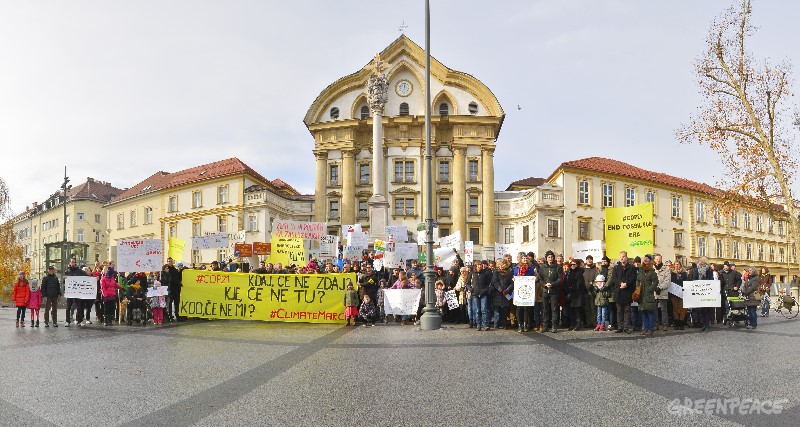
(526, 183)
(615, 167)
(163, 180)
(94, 190)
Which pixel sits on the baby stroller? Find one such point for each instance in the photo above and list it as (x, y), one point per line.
(737, 311)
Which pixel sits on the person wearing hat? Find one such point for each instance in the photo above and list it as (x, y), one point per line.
(51, 290)
(35, 301)
(75, 305)
(173, 278)
(20, 295)
(600, 293)
(550, 278)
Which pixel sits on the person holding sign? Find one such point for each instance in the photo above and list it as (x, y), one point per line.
(523, 312)
(550, 277)
(75, 304)
(703, 272)
(678, 312)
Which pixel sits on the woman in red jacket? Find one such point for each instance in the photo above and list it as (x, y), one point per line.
(108, 289)
(20, 296)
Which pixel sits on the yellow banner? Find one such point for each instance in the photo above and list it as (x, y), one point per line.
(287, 251)
(176, 246)
(629, 229)
(315, 298)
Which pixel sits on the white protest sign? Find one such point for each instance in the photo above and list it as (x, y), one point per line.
(421, 236)
(392, 260)
(358, 239)
(451, 241)
(469, 252)
(588, 247)
(212, 241)
(501, 249)
(701, 293)
(349, 230)
(524, 291)
(676, 290)
(377, 264)
(157, 291)
(401, 302)
(452, 300)
(328, 247)
(398, 232)
(299, 229)
(139, 255)
(444, 257)
(80, 287)
(352, 253)
(407, 251)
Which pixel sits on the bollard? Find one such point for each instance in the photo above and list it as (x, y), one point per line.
(795, 291)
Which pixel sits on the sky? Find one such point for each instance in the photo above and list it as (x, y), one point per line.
(117, 90)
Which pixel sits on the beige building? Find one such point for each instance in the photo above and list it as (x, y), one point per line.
(42, 226)
(568, 206)
(466, 120)
(202, 200)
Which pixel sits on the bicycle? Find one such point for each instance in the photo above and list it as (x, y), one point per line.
(784, 304)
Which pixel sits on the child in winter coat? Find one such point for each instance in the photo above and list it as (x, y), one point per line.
(158, 303)
(381, 296)
(441, 301)
(350, 303)
(367, 312)
(108, 290)
(35, 301)
(601, 301)
(20, 296)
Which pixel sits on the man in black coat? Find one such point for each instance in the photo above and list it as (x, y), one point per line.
(624, 283)
(51, 290)
(480, 284)
(550, 278)
(175, 283)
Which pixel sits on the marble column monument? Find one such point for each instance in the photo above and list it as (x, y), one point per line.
(377, 96)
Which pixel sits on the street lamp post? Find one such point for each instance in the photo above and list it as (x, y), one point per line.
(430, 319)
(64, 188)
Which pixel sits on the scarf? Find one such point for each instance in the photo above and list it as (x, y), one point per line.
(522, 269)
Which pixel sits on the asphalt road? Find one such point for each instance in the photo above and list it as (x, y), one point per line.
(234, 373)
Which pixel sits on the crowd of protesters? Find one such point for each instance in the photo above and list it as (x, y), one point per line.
(624, 296)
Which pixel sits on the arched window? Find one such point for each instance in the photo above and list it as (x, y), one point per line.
(444, 109)
(473, 107)
(404, 109)
(364, 112)
(334, 113)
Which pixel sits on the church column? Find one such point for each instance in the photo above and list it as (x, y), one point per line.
(320, 207)
(487, 160)
(348, 186)
(459, 209)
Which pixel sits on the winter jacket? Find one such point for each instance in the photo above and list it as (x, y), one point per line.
(624, 274)
(502, 284)
(749, 287)
(481, 282)
(589, 274)
(51, 287)
(35, 300)
(367, 309)
(664, 280)
(648, 279)
(108, 287)
(731, 279)
(350, 298)
(550, 273)
(21, 293)
(574, 288)
(601, 296)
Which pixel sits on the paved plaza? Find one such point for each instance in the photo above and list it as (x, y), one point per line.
(234, 373)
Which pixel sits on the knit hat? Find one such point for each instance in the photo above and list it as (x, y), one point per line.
(605, 258)
(637, 259)
(600, 278)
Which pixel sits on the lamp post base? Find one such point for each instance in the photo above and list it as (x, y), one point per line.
(430, 320)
